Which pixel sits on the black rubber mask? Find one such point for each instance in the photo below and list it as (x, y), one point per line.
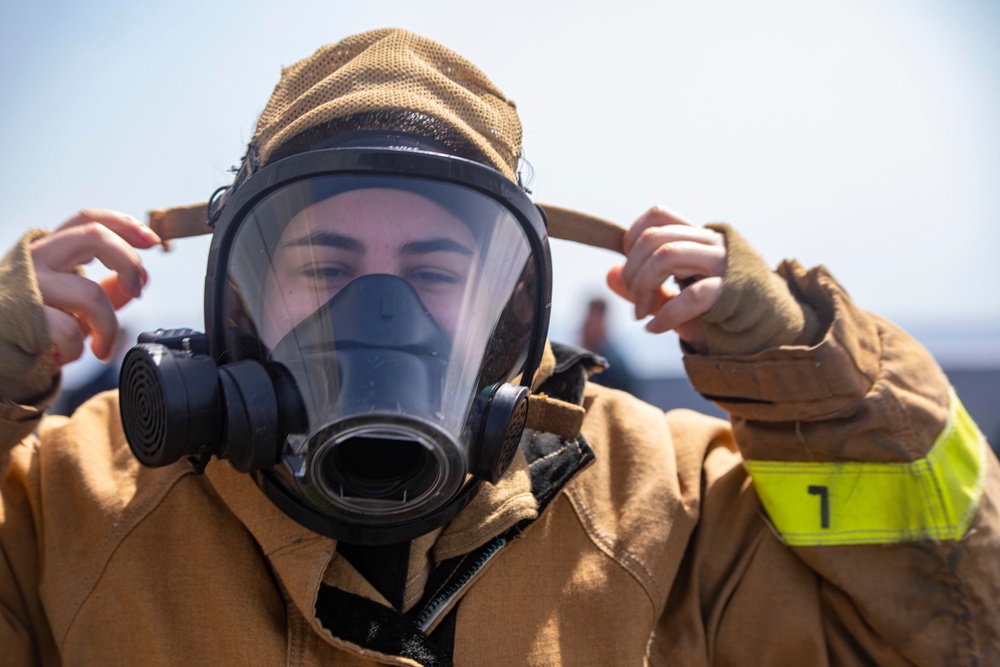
(373, 321)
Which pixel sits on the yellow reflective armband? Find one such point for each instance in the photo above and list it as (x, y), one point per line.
(876, 503)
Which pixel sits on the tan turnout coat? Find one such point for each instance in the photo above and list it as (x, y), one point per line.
(642, 542)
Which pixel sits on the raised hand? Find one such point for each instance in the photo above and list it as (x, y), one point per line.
(661, 245)
(75, 306)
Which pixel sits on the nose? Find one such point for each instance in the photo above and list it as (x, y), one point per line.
(381, 261)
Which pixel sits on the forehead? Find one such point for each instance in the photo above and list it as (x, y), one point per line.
(379, 214)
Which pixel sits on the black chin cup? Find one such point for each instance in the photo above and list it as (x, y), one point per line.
(176, 402)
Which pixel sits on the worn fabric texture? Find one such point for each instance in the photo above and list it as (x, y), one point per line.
(640, 542)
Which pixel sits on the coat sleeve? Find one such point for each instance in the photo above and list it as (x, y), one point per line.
(29, 374)
(28, 383)
(872, 475)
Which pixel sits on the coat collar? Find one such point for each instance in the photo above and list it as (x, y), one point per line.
(303, 561)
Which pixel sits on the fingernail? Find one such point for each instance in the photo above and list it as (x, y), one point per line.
(102, 355)
(150, 234)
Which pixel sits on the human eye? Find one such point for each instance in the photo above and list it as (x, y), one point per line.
(327, 273)
(434, 276)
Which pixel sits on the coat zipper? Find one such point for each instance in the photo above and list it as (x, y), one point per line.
(440, 603)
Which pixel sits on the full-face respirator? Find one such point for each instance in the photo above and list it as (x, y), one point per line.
(373, 320)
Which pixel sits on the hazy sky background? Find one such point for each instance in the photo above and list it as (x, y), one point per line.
(861, 134)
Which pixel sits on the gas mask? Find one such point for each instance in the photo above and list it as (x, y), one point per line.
(373, 320)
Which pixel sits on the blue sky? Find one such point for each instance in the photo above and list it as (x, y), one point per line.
(863, 135)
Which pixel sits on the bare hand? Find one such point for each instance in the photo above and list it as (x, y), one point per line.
(75, 306)
(661, 245)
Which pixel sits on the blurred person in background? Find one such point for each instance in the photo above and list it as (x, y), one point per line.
(594, 336)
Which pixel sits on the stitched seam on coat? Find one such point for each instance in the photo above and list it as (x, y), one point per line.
(119, 531)
(420, 572)
(623, 557)
(559, 451)
(296, 639)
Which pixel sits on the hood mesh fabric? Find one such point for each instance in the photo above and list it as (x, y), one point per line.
(386, 70)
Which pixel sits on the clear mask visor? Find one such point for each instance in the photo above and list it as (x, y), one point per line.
(385, 308)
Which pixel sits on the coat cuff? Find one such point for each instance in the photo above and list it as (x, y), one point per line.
(28, 369)
(809, 381)
(757, 309)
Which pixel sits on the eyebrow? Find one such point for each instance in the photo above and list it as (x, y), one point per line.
(328, 239)
(437, 244)
(424, 247)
